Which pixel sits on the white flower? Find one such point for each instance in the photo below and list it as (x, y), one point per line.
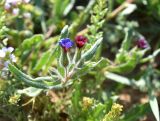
(26, 1)
(7, 6)
(8, 49)
(6, 64)
(15, 11)
(2, 54)
(27, 15)
(13, 2)
(13, 58)
(9, 1)
(6, 56)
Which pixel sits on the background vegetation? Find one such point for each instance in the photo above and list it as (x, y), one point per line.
(121, 82)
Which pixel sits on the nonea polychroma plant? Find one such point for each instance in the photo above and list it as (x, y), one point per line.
(77, 60)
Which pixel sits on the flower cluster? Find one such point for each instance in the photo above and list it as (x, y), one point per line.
(6, 56)
(115, 113)
(12, 6)
(66, 43)
(87, 103)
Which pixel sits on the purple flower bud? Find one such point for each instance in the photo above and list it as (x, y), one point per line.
(80, 41)
(66, 44)
(142, 43)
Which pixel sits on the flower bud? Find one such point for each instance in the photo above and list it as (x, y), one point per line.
(142, 43)
(80, 41)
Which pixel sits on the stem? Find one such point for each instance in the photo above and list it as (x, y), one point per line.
(75, 56)
(72, 71)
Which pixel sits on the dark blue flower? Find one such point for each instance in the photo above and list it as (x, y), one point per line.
(66, 44)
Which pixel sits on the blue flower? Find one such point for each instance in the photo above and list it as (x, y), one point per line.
(66, 44)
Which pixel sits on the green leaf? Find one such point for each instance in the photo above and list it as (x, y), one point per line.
(123, 80)
(127, 40)
(59, 7)
(98, 111)
(118, 78)
(151, 57)
(76, 96)
(89, 66)
(154, 105)
(42, 61)
(127, 61)
(28, 43)
(37, 82)
(69, 7)
(27, 79)
(64, 32)
(54, 54)
(90, 53)
(30, 91)
(136, 112)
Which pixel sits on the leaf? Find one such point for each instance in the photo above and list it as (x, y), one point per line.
(136, 112)
(98, 110)
(64, 32)
(59, 7)
(130, 8)
(69, 7)
(28, 43)
(51, 57)
(126, 61)
(118, 78)
(42, 61)
(123, 80)
(30, 91)
(88, 66)
(151, 57)
(90, 53)
(27, 79)
(154, 105)
(127, 40)
(76, 96)
(37, 82)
